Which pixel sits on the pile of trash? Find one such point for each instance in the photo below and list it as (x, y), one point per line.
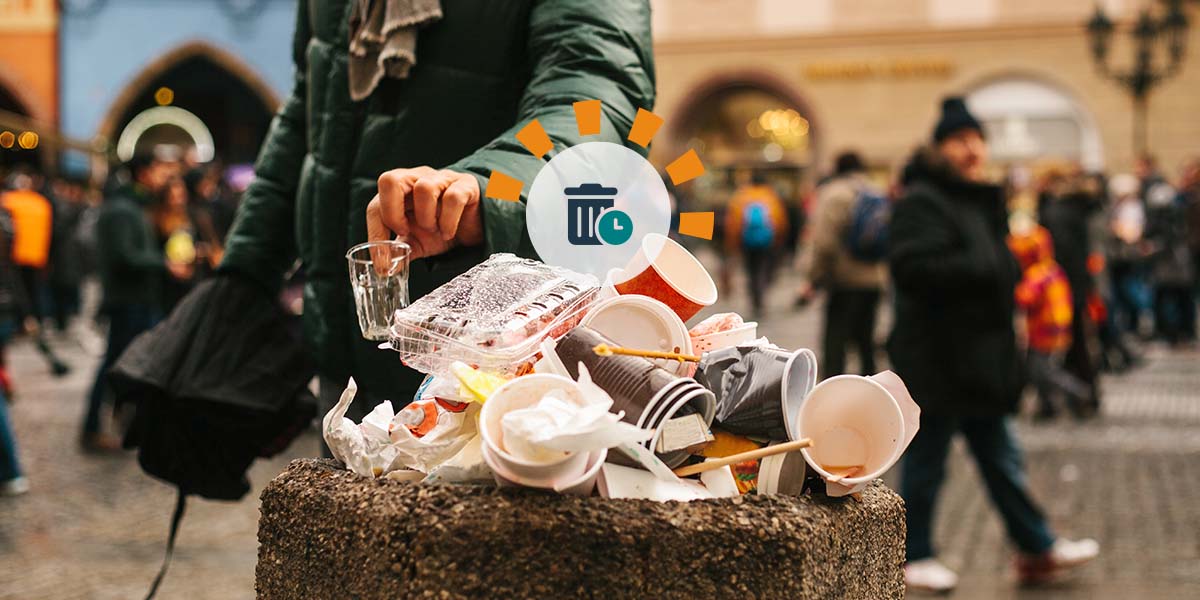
(541, 377)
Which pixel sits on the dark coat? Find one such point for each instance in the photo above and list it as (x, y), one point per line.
(483, 72)
(131, 260)
(953, 340)
(13, 299)
(1066, 218)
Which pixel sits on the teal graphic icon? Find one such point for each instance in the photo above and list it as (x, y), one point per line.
(615, 227)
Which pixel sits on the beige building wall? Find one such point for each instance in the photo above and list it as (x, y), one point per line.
(869, 74)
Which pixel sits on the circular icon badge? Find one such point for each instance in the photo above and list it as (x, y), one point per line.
(590, 206)
(615, 227)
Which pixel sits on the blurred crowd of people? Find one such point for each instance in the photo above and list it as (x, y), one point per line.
(149, 233)
(998, 279)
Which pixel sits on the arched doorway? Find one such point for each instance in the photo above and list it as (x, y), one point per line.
(1028, 119)
(746, 124)
(197, 100)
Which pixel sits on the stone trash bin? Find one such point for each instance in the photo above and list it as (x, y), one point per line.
(328, 533)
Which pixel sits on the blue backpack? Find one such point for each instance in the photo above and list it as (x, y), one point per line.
(758, 232)
(867, 233)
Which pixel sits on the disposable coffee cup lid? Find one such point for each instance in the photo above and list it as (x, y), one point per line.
(643, 323)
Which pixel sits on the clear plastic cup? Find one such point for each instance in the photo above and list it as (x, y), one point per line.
(379, 278)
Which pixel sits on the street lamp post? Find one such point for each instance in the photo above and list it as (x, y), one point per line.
(1145, 74)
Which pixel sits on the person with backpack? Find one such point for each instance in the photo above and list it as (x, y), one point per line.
(847, 260)
(954, 344)
(756, 227)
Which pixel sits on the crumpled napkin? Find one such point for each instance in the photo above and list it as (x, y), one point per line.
(387, 441)
(542, 432)
(364, 449)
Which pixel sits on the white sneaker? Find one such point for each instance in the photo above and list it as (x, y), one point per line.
(14, 487)
(1062, 556)
(929, 575)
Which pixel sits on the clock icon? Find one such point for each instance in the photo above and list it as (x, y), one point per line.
(615, 227)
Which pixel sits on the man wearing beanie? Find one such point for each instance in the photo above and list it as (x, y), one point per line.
(954, 344)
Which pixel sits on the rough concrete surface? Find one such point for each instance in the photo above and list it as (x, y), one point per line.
(328, 533)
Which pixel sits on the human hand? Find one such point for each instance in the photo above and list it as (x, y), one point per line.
(430, 210)
(180, 271)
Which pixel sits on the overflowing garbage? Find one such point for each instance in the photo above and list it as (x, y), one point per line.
(541, 377)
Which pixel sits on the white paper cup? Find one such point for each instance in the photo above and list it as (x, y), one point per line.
(781, 474)
(584, 484)
(744, 333)
(623, 482)
(645, 324)
(852, 421)
(523, 392)
(720, 482)
(660, 400)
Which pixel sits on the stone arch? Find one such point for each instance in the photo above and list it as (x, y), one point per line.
(1092, 145)
(231, 63)
(685, 112)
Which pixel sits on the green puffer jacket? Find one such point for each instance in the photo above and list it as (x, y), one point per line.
(483, 72)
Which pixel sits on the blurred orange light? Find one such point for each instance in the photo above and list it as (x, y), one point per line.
(6, 139)
(28, 140)
(164, 96)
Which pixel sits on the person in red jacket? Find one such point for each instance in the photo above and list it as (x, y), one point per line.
(1044, 294)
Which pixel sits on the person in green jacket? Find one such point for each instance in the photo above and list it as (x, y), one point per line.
(416, 120)
(131, 269)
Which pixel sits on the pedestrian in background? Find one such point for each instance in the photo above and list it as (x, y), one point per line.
(67, 261)
(33, 221)
(1044, 294)
(756, 228)
(12, 299)
(954, 345)
(1189, 198)
(177, 235)
(1171, 268)
(1127, 253)
(131, 267)
(1068, 200)
(852, 277)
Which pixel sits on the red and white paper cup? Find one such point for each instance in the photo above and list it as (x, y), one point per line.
(667, 272)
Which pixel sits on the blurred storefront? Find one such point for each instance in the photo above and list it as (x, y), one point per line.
(869, 74)
(200, 79)
(28, 79)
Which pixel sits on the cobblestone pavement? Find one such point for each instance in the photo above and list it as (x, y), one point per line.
(95, 526)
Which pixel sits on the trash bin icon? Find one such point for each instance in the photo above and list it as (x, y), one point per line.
(584, 205)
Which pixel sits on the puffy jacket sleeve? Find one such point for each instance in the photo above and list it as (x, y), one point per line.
(578, 52)
(927, 256)
(262, 242)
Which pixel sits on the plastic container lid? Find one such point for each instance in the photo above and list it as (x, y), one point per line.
(494, 316)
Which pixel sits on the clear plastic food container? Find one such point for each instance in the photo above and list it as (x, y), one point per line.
(493, 317)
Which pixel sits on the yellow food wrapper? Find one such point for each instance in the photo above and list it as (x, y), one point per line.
(475, 383)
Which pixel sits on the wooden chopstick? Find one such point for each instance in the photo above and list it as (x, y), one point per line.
(606, 350)
(732, 459)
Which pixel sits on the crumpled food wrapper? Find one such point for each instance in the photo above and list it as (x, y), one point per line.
(542, 432)
(716, 324)
(419, 437)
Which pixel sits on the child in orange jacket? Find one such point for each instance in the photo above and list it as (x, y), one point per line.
(1045, 296)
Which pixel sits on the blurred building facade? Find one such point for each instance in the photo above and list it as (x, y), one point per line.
(783, 85)
(203, 76)
(28, 77)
